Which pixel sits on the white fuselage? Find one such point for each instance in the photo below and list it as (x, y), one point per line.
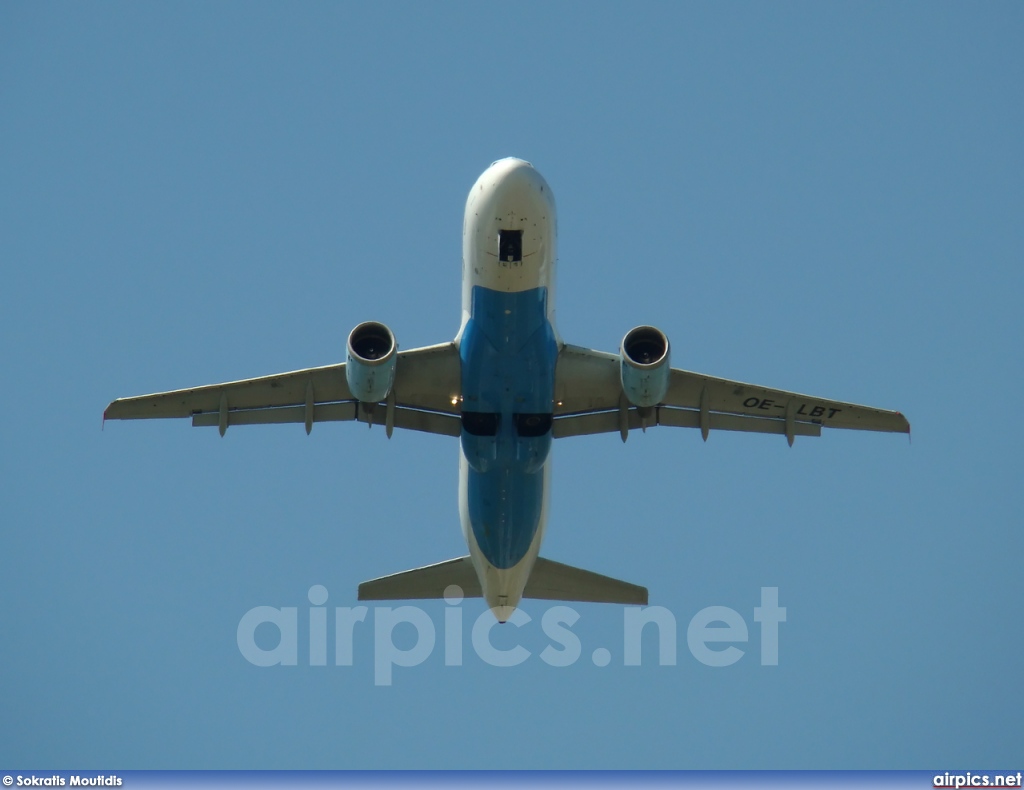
(509, 200)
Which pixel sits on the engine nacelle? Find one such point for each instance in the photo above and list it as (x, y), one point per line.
(644, 366)
(370, 363)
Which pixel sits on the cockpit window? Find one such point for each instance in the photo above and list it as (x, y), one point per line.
(510, 246)
(532, 425)
(480, 423)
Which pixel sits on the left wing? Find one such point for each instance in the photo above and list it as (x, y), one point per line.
(424, 397)
(589, 399)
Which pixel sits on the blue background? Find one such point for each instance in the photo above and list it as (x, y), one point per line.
(823, 198)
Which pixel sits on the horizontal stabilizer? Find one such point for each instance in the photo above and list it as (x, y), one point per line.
(429, 581)
(549, 581)
(553, 581)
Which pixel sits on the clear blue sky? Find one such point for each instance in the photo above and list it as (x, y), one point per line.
(818, 197)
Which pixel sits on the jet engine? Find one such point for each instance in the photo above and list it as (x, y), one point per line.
(644, 366)
(370, 362)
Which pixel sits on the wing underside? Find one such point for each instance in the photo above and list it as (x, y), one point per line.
(424, 398)
(589, 399)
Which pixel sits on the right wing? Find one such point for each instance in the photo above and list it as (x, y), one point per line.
(425, 397)
(589, 399)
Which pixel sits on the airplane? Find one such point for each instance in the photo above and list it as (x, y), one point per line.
(506, 387)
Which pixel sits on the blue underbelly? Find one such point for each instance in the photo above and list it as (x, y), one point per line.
(508, 352)
(504, 510)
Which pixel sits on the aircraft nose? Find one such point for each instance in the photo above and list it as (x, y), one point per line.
(513, 174)
(515, 184)
(510, 197)
(511, 161)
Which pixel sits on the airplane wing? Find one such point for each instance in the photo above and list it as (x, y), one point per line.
(424, 397)
(589, 399)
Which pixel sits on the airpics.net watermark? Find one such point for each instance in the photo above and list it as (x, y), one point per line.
(711, 635)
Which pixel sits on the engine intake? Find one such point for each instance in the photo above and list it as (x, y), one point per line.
(644, 366)
(370, 362)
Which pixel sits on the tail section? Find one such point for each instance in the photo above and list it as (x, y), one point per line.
(429, 581)
(553, 581)
(548, 581)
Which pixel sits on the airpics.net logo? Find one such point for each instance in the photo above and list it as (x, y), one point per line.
(712, 635)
